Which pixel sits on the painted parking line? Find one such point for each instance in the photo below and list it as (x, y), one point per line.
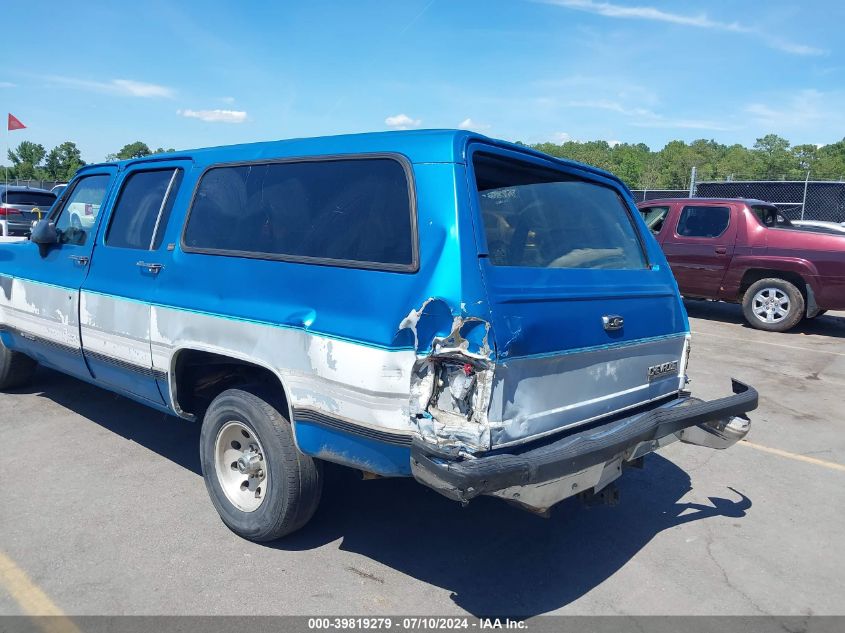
(31, 598)
(796, 456)
(735, 339)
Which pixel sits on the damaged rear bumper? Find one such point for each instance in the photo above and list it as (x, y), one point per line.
(589, 459)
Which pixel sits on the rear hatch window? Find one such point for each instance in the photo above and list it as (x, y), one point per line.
(30, 198)
(542, 218)
(583, 325)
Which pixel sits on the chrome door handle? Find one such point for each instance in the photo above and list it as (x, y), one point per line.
(79, 259)
(721, 250)
(150, 268)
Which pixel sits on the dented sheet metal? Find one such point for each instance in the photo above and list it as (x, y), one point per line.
(452, 377)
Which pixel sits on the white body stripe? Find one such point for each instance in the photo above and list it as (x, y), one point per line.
(48, 312)
(364, 384)
(116, 327)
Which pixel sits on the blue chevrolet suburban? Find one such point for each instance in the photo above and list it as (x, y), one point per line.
(437, 304)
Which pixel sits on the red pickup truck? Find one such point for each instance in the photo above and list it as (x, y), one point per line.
(745, 251)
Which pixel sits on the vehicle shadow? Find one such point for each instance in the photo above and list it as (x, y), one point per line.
(170, 437)
(825, 325)
(497, 559)
(494, 559)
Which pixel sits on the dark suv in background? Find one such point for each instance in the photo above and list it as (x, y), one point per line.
(20, 206)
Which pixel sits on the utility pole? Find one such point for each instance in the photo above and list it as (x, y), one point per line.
(692, 182)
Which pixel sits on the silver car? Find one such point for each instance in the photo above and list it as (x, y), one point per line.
(20, 206)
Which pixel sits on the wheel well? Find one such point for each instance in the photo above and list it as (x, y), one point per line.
(199, 377)
(756, 274)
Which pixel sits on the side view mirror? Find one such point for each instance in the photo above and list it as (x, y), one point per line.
(44, 233)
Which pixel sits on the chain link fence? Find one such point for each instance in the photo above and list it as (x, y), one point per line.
(797, 199)
(640, 195)
(30, 182)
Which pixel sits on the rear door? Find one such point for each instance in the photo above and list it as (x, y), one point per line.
(586, 318)
(700, 246)
(115, 302)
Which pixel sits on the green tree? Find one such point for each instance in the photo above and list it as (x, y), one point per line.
(830, 161)
(133, 150)
(26, 159)
(674, 164)
(805, 156)
(775, 157)
(63, 161)
(161, 150)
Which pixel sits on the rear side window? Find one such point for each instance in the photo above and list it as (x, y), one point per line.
(30, 198)
(538, 217)
(702, 221)
(143, 207)
(350, 211)
(654, 217)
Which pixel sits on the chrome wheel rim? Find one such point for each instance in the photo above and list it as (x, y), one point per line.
(770, 305)
(241, 467)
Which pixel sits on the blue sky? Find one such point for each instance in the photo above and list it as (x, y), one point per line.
(191, 74)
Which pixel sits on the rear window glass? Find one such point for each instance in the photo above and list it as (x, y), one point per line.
(537, 217)
(703, 221)
(30, 198)
(355, 210)
(770, 216)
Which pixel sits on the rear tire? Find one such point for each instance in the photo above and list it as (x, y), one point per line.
(261, 485)
(773, 305)
(16, 369)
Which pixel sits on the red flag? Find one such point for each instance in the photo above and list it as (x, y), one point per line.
(15, 123)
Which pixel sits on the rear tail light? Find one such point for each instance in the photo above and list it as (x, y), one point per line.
(4, 211)
(89, 209)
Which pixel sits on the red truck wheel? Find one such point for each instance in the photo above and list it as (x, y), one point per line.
(774, 305)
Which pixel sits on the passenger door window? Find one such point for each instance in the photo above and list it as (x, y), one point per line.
(703, 221)
(78, 215)
(143, 208)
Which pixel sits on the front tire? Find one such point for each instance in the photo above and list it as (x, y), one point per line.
(773, 304)
(16, 369)
(261, 485)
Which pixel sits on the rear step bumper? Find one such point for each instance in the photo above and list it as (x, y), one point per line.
(621, 440)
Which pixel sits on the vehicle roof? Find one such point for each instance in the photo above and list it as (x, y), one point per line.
(748, 201)
(24, 188)
(419, 146)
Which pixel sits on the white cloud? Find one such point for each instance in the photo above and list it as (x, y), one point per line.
(215, 116)
(561, 137)
(700, 20)
(642, 117)
(469, 124)
(611, 10)
(141, 89)
(402, 122)
(798, 111)
(795, 49)
(7, 84)
(121, 87)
